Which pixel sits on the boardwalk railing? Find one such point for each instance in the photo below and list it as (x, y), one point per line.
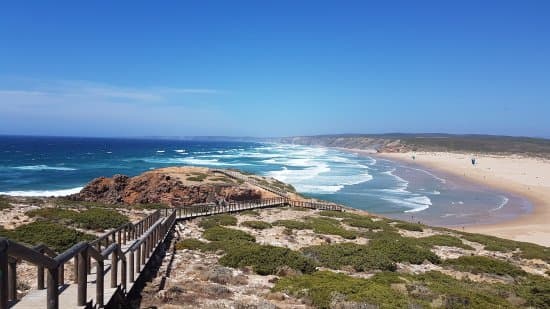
(119, 255)
(145, 235)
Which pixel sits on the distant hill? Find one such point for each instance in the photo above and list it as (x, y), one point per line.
(399, 142)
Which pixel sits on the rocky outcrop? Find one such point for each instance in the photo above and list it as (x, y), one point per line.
(166, 186)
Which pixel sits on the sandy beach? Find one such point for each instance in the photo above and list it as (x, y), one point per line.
(527, 177)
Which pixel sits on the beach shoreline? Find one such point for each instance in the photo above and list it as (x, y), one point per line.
(521, 176)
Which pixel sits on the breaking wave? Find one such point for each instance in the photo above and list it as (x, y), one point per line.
(62, 192)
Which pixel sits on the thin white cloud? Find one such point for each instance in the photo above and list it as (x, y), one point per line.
(94, 92)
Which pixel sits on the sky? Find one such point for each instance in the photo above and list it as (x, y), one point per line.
(274, 68)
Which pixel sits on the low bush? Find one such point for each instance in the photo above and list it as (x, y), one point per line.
(100, 219)
(216, 220)
(323, 287)
(535, 290)
(64, 202)
(326, 226)
(54, 214)
(455, 293)
(266, 260)
(257, 225)
(368, 223)
(339, 214)
(219, 233)
(415, 227)
(330, 227)
(360, 257)
(56, 236)
(482, 264)
(292, 224)
(92, 219)
(191, 244)
(527, 250)
(443, 240)
(402, 249)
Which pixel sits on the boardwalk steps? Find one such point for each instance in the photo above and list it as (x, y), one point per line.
(111, 264)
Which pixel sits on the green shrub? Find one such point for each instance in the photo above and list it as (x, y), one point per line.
(528, 250)
(321, 287)
(219, 233)
(56, 236)
(339, 214)
(457, 293)
(292, 224)
(215, 220)
(535, 290)
(443, 240)
(402, 249)
(360, 257)
(326, 226)
(100, 219)
(330, 227)
(53, 214)
(93, 218)
(257, 225)
(482, 264)
(264, 259)
(368, 223)
(415, 227)
(64, 202)
(191, 244)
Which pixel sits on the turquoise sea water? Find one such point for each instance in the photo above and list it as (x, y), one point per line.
(48, 166)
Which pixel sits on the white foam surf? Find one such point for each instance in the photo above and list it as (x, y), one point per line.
(62, 192)
(42, 167)
(503, 202)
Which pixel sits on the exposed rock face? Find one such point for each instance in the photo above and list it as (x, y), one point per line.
(170, 186)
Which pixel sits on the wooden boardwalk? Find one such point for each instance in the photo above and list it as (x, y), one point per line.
(109, 265)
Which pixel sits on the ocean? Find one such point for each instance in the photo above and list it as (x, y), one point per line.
(56, 166)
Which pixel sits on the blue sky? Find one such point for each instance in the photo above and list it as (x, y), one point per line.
(274, 68)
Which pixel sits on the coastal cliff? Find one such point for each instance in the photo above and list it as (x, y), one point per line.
(174, 186)
(391, 143)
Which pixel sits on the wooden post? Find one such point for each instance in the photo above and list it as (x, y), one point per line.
(99, 288)
(138, 259)
(75, 272)
(61, 271)
(40, 278)
(114, 269)
(12, 280)
(131, 265)
(82, 277)
(123, 270)
(52, 293)
(4, 278)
